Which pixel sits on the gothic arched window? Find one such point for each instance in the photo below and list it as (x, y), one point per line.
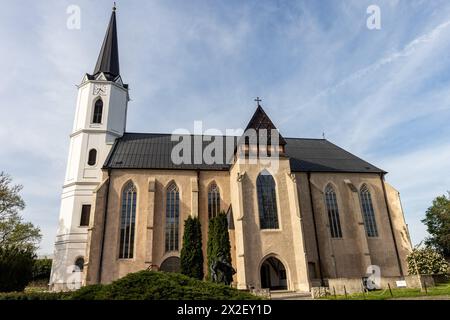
(92, 157)
(172, 217)
(128, 221)
(267, 201)
(98, 111)
(213, 200)
(333, 212)
(368, 212)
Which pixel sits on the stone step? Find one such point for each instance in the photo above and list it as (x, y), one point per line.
(289, 295)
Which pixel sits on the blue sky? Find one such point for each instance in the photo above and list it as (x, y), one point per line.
(382, 94)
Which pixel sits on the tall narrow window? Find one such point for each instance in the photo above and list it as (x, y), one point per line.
(172, 217)
(213, 201)
(98, 111)
(267, 201)
(85, 215)
(128, 221)
(92, 157)
(333, 212)
(368, 212)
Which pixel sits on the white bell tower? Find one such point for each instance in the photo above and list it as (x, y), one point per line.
(100, 119)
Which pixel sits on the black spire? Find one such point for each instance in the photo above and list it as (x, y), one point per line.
(108, 59)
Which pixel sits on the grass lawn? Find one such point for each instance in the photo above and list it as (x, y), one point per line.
(439, 290)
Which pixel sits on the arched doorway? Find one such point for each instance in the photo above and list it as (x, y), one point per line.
(273, 274)
(171, 264)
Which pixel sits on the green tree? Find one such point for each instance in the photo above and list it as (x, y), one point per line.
(218, 241)
(437, 220)
(13, 230)
(426, 261)
(211, 251)
(42, 269)
(191, 253)
(16, 268)
(223, 237)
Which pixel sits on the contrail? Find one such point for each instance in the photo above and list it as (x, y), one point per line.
(408, 50)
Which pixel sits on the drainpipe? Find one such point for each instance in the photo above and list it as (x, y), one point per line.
(100, 267)
(315, 229)
(391, 224)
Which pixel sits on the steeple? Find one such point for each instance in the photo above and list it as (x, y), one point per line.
(108, 59)
(261, 137)
(261, 120)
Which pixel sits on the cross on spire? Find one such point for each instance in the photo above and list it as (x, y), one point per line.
(258, 100)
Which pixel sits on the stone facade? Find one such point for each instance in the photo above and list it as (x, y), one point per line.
(295, 244)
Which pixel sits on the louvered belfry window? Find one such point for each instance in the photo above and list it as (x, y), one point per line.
(98, 112)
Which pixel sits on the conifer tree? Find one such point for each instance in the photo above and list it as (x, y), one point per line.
(191, 253)
(218, 241)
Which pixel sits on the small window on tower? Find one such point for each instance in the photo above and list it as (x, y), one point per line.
(98, 111)
(79, 265)
(85, 215)
(92, 158)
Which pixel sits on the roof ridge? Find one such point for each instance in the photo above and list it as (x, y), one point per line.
(212, 135)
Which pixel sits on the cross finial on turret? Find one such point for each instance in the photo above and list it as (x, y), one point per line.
(114, 6)
(258, 100)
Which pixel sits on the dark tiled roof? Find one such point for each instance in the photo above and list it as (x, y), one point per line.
(320, 155)
(153, 151)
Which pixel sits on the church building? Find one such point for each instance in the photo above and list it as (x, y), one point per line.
(300, 211)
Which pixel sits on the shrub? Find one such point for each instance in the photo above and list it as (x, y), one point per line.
(92, 292)
(191, 253)
(16, 268)
(426, 261)
(42, 269)
(153, 285)
(34, 296)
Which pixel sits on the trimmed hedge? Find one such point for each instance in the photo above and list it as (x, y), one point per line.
(153, 285)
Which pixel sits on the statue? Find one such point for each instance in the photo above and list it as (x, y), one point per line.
(222, 271)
